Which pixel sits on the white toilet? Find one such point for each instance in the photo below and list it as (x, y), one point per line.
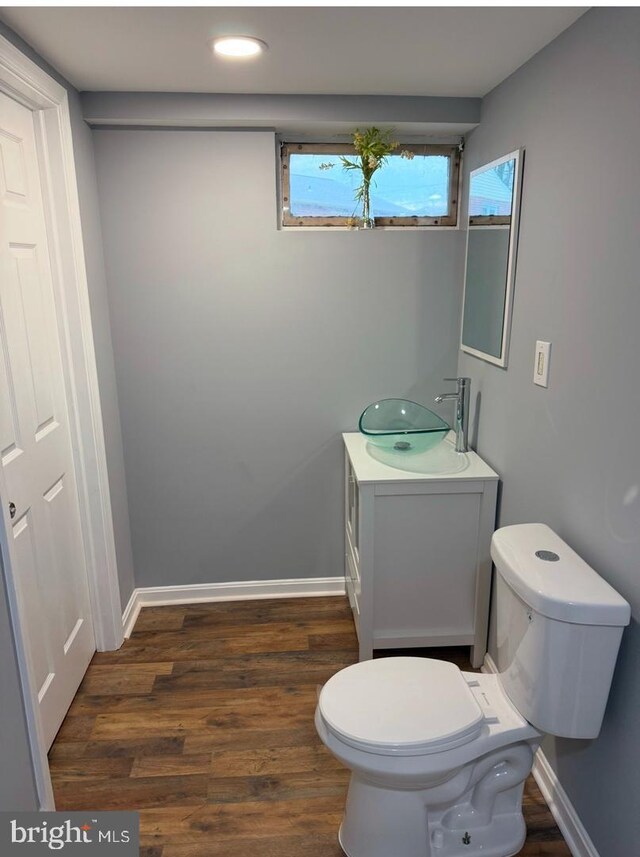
(439, 756)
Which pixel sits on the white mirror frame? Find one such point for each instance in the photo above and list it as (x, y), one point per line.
(518, 157)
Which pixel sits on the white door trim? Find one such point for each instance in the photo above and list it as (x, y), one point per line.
(26, 82)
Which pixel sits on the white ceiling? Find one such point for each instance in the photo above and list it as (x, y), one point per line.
(331, 50)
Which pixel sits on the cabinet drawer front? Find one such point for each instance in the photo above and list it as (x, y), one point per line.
(352, 572)
(355, 606)
(351, 532)
(352, 504)
(353, 553)
(352, 584)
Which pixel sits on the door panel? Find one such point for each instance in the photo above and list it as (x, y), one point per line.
(37, 333)
(46, 553)
(8, 417)
(31, 601)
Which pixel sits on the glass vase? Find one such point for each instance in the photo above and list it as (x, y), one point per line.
(368, 221)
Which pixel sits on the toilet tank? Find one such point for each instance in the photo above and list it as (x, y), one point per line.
(558, 627)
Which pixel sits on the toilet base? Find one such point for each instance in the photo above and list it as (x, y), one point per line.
(379, 822)
(508, 829)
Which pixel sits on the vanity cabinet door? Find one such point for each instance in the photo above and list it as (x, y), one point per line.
(426, 549)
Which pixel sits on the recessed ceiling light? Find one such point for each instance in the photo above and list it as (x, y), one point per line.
(238, 47)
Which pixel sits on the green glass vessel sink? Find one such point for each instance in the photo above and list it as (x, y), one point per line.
(399, 425)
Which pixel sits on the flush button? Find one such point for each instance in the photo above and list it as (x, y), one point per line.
(547, 556)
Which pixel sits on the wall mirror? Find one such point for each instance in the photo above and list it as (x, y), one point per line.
(492, 238)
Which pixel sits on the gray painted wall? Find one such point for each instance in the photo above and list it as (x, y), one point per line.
(92, 238)
(243, 351)
(568, 455)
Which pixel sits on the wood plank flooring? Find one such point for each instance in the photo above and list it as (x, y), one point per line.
(203, 721)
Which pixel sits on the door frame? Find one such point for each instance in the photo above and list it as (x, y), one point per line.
(25, 82)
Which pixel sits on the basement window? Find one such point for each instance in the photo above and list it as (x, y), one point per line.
(420, 190)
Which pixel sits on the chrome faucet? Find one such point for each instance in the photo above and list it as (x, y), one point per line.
(462, 411)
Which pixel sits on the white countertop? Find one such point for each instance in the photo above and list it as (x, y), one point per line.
(440, 464)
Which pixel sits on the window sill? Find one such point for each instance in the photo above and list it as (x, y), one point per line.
(375, 229)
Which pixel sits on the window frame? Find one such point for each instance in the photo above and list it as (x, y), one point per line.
(450, 220)
(490, 220)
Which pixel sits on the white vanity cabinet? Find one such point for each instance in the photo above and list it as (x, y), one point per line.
(417, 561)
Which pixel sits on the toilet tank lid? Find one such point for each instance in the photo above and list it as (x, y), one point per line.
(563, 588)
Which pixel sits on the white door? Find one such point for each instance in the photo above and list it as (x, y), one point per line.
(37, 482)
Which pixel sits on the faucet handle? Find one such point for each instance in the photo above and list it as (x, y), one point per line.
(462, 379)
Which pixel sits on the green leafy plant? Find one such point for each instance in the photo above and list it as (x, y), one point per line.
(373, 146)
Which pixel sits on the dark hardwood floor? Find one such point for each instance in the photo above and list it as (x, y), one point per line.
(203, 721)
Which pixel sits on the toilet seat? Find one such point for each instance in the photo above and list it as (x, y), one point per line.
(401, 706)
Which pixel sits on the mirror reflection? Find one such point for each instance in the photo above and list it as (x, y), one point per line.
(490, 262)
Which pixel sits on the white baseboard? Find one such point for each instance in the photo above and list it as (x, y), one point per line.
(489, 665)
(557, 799)
(563, 811)
(161, 596)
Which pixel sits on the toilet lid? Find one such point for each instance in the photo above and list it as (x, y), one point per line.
(401, 706)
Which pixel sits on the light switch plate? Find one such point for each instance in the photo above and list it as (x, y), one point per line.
(541, 364)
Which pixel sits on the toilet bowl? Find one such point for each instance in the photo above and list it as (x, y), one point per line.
(420, 738)
(439, 756)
